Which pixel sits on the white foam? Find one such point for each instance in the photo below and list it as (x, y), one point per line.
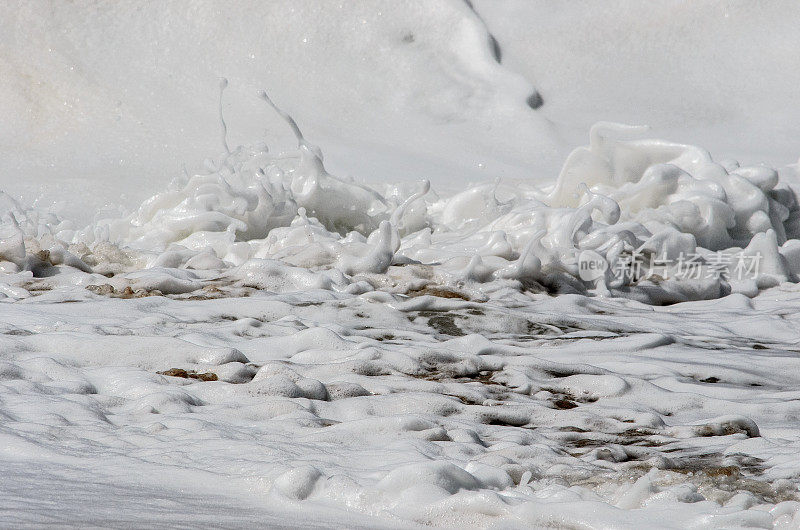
(616, 199)
(388, 350)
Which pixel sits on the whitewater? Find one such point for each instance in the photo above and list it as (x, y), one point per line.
(383, 266)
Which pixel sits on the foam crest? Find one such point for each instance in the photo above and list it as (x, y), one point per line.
(620, 200)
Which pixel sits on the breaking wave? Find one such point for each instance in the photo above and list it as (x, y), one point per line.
(619, 200)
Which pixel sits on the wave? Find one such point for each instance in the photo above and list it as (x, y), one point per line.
(636, 210)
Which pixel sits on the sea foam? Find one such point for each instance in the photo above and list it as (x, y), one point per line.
(640, 208)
